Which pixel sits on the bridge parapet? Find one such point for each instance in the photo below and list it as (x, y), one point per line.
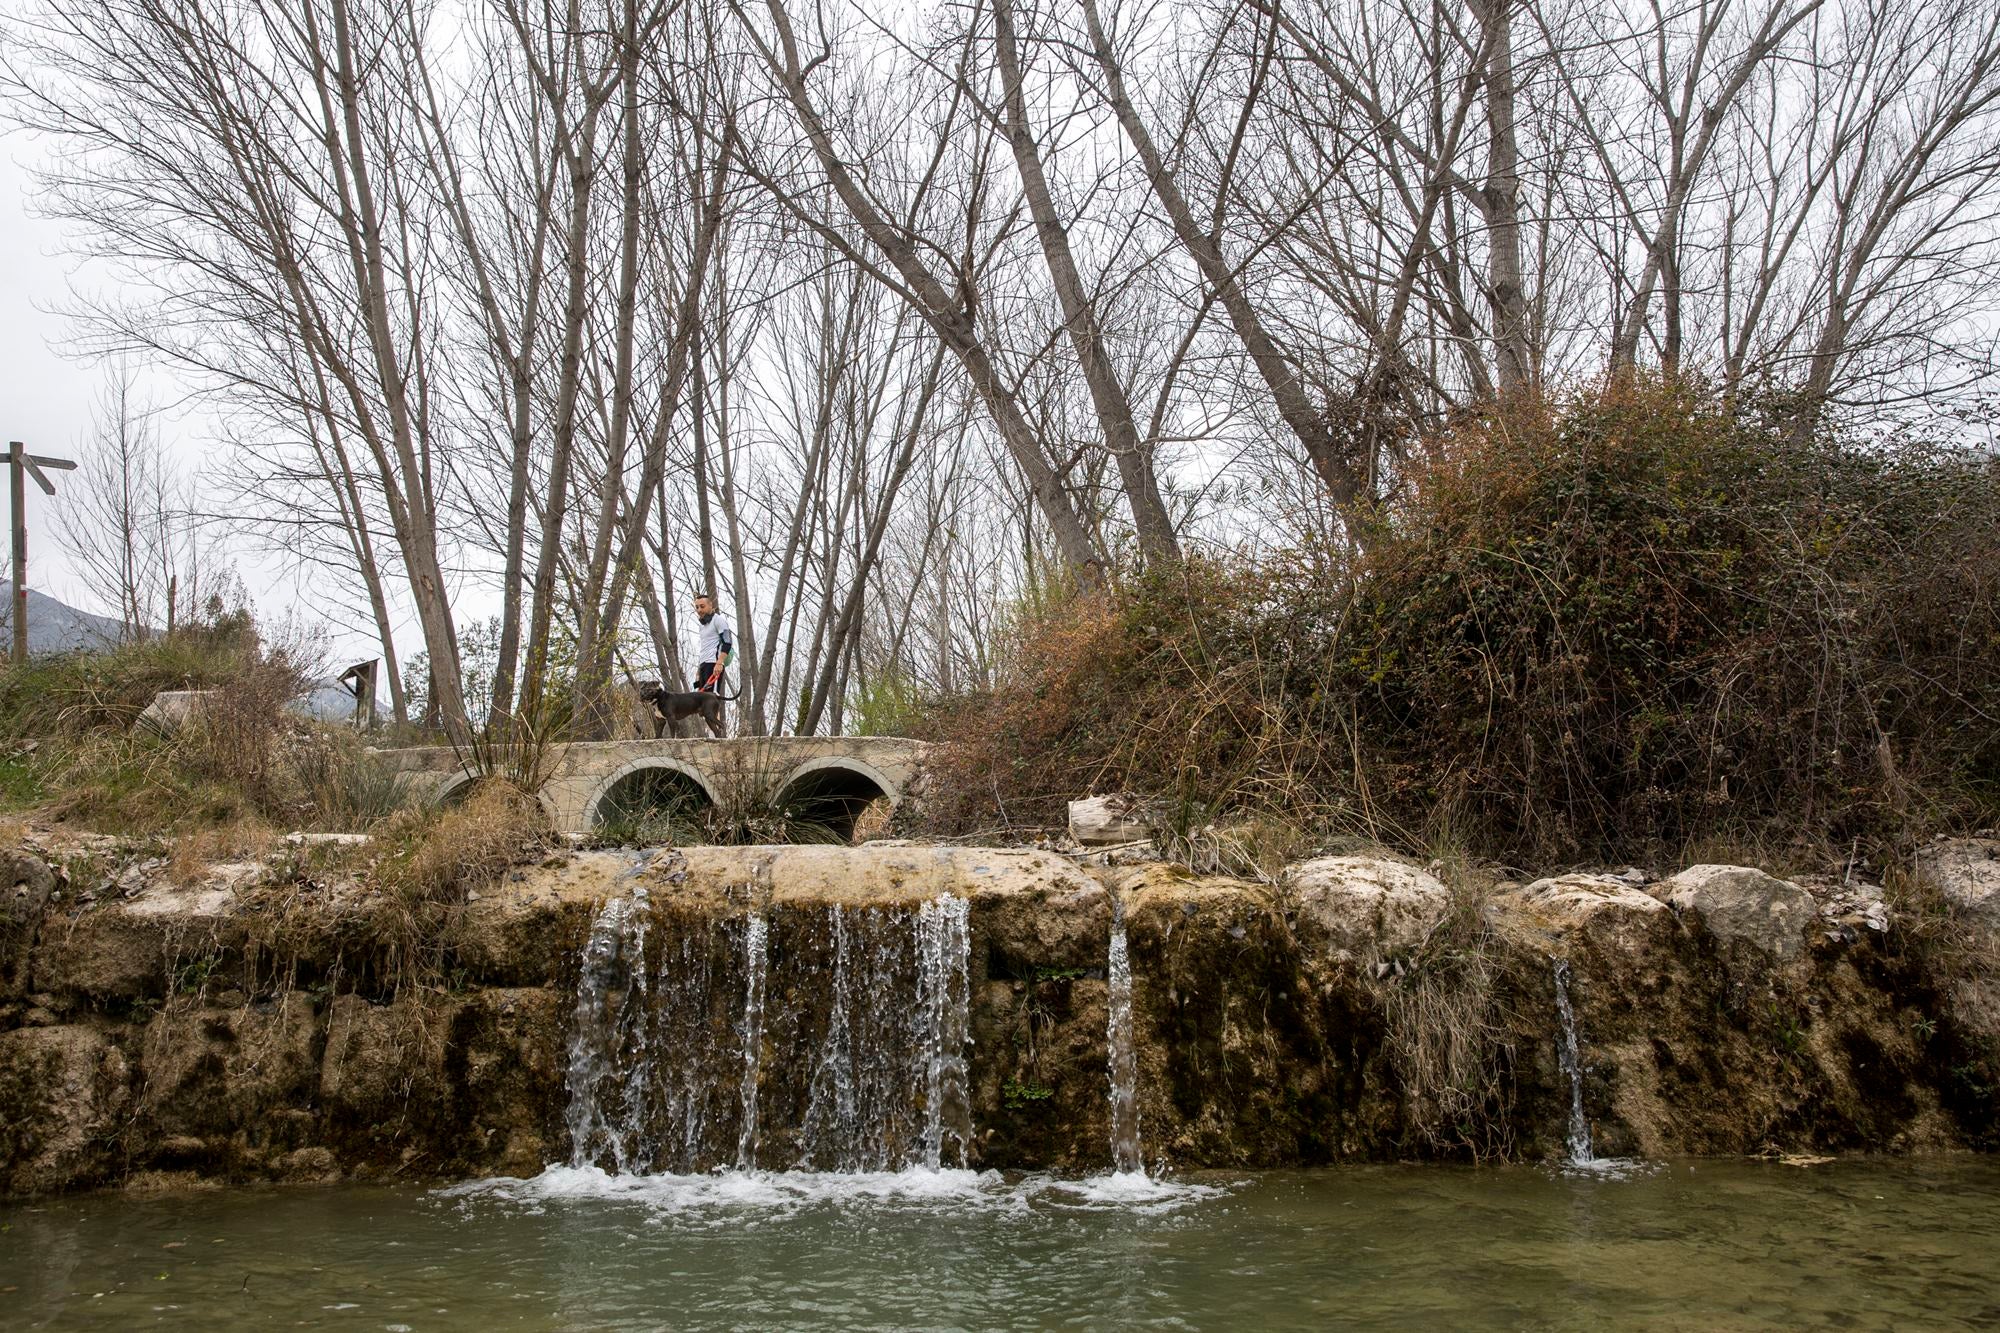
(735, 774)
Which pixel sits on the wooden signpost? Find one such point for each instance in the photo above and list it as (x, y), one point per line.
(20, 464)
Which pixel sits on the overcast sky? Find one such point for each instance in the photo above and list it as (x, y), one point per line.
(49, 397)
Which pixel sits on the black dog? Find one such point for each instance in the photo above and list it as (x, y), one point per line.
(670, 708)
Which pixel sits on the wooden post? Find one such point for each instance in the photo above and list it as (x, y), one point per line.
(20, 463)
(360, 682)
(17, 477)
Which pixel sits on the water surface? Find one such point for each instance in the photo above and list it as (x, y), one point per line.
(1688, 1245)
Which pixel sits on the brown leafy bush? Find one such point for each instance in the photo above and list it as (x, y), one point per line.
(1603, 627)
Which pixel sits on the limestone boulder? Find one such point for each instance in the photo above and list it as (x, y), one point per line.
(528, 928)
(166, 938)
(1364, 903)
(1104, 821)
(173, 711)
(62, 1097)
(1608, 907)
(26, 884)
(1967, 872)
(1747, 905)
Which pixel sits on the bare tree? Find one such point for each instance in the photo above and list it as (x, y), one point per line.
(130, 523)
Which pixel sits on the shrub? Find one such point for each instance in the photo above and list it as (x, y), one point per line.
(439, 856)
(1605, 626)
(1636, 619)
(241, 758)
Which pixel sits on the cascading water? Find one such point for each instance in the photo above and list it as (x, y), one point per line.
(830, 1125)
(610, 1060)
(944, 944)
(1569, 1054)
(756, 962)
(1126, 1158)
(816, 1037)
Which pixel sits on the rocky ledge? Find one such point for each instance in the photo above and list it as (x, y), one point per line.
(256, 1022)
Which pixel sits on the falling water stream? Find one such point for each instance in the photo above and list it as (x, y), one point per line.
(610, 1048)
(756, 963)
(816, 1038)
(1569, 1053)
(1126, 1158)
(944, 943)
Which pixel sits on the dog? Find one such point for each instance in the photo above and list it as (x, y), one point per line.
(669, 709)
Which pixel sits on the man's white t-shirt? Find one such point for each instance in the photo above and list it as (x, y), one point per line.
(714, 631)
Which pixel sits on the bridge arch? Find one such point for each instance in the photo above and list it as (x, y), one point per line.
(453, 788)
(830, 793)
(649, 783)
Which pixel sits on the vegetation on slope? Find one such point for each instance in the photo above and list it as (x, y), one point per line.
(1623, 624)
(241, 767)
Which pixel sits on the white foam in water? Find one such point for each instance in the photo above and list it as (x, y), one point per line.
(1134, 1190)
(727, 1195)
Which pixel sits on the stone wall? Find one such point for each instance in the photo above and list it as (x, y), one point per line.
(256, 1025)
(736, 772)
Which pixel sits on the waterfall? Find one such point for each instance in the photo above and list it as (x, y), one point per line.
(1569, 1054)
(814, 1036)
(830, 1128)
(944, 943)
(1124, 1057)
(756, 962)
(609, 1031)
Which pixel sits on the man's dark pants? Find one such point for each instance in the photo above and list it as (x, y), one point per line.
(701, 675)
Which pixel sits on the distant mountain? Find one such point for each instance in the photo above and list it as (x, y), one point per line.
(325, 701)
(54, 626)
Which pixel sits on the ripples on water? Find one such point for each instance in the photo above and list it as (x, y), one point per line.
(1671, 1246)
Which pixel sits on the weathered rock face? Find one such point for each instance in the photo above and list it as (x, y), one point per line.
(1738, 903)
(1360, 904)
(261, 1025)
(26, 881)
(1967, 872)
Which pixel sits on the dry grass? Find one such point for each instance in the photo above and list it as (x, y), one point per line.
(440, 856)
(238, 766)
(191, 855)
(1445, 1035)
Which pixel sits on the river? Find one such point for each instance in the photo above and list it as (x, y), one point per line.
(1690, 1244)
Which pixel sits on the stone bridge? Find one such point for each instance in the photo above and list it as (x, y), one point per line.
(825, 783)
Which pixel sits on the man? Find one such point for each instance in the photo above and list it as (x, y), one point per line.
(717, 643)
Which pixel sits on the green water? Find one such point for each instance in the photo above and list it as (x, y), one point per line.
(1688, 1245)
